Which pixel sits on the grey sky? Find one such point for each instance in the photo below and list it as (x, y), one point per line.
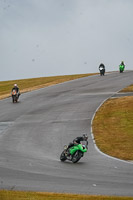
(57, 37)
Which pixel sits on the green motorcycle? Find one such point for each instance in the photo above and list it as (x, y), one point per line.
(121, 68)
(74, 153)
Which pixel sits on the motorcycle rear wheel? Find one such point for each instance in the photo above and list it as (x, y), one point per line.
(77, 156)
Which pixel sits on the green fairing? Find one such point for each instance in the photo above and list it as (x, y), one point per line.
(76, 148)
(121, 67)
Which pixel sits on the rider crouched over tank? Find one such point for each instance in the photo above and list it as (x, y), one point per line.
(75, 150)
(77, 141)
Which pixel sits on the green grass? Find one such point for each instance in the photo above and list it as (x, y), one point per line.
(16, 195)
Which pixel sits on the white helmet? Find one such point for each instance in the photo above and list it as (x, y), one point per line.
(15, 85)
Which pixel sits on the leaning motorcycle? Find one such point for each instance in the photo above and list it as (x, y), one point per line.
(14, 96)
(74, 153)
(121, 68)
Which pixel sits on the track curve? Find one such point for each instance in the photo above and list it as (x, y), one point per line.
(34, 131)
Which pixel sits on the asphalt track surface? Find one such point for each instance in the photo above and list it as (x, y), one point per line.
(34, 131)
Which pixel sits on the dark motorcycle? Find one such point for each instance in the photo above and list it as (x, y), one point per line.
(74, 153)
(15, 96)
(102, 71)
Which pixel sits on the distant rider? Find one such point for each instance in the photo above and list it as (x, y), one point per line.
(102, 66)
(122, 64)
(121, 67)
(16, 88)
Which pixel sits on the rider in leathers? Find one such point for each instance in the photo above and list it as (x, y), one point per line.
(102, 66)
(78, 140)
(17, 89)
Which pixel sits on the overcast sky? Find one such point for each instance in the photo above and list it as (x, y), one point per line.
(57, 37)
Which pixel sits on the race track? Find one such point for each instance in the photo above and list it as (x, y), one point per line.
(34, 131)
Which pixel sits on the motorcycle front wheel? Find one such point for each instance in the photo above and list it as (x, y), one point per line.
(63, 157)
(13, 99)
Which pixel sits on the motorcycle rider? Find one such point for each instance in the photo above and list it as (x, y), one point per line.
(102, 66)
(122, 64)
(16, 88)
(77, 141)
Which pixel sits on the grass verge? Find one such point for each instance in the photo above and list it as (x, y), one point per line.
(113, 128)
(27, 85)
(128, 89)
(16, 195)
